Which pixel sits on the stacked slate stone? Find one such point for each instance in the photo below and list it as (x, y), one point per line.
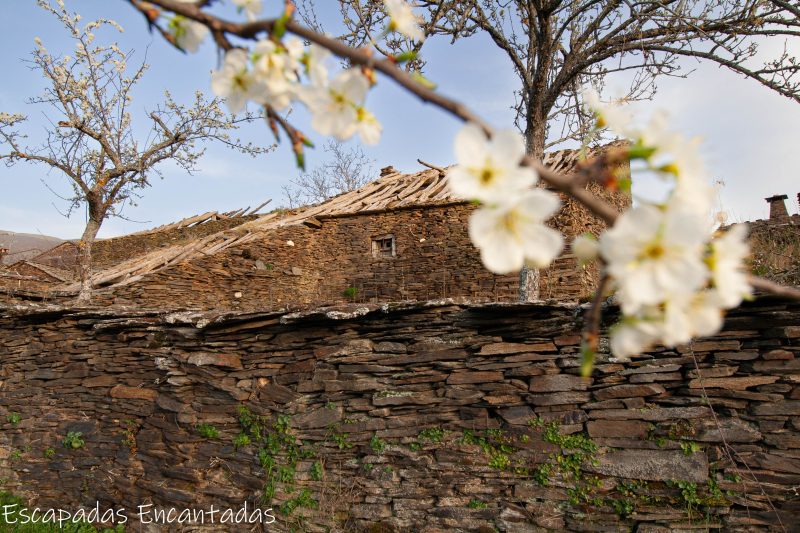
(437, 416)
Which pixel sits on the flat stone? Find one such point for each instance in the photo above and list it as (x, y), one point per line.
(404, 398)
(434, 356)
(729, 430)
(775, 462)
(776, 365)
(519, 415)
(504, 348)
(560, 398)
(784, 355)
(365, 384)
(710, 346)
(784, 440)
(737, 383)
(661, 376)
(220, 359)
(318, 418)
(277, 393)
(653, 465)
(461, 378)
(168, 403)
(713, 372)
(650, 369)
(133, 393)
(658, 414)
(789, 407)
(530, 356)
(568, 340)
(559, 383)
(617, 428)
(628, 391)
(100, 381)
(43, 373)
(371, 512)
(390, 347)
(736, 356)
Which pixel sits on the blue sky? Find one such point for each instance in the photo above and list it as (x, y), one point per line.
(750, 134)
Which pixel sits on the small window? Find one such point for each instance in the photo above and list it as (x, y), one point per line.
(383, 246)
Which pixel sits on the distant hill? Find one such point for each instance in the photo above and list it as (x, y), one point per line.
(25, 245)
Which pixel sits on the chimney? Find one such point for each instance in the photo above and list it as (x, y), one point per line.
(777, 207)
(385, 171)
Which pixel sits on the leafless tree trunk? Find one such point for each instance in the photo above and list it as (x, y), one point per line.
(85, 257)
(93, 143)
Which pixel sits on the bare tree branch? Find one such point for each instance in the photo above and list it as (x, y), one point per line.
(91, 140)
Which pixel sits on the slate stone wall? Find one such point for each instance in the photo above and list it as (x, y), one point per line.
(334, 263)
(439, 416)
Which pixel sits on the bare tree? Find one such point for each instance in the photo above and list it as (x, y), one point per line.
(346, 170)
(556, 47)
(92, 141)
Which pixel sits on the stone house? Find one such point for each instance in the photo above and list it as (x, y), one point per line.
(46, 274)
(401, 237)
(775, 243)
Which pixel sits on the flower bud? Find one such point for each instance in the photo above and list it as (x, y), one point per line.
(585, 247)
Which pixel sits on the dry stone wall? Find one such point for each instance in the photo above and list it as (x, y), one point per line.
(332, 261)
(438, 416)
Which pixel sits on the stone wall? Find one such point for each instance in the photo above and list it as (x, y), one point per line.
(776, 249)
(436, 416)
(108, 252)
(332, 263)
(114, 250)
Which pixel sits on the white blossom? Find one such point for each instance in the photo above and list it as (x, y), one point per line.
(403, 19)
(726, 262)
(585, 247)
(687, 316)
(632, 336)
(251, 8)
(368, 127)
(235, 82)
(335, 107)
(314, 61)
(610, 115)
(512, 233)
(296, 49)
(276, 66)
(653, 254)
(188, 34)
(489, 169)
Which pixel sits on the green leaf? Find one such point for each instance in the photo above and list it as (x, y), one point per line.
(587, 360)
(402, 57)
(279, 29)
(624, 185)
(422, 80)
(640, 151)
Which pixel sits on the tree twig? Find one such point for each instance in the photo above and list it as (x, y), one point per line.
(571, 185)
(774, 288)
(434, 167)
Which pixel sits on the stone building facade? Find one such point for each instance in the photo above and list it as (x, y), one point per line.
(401, 237)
